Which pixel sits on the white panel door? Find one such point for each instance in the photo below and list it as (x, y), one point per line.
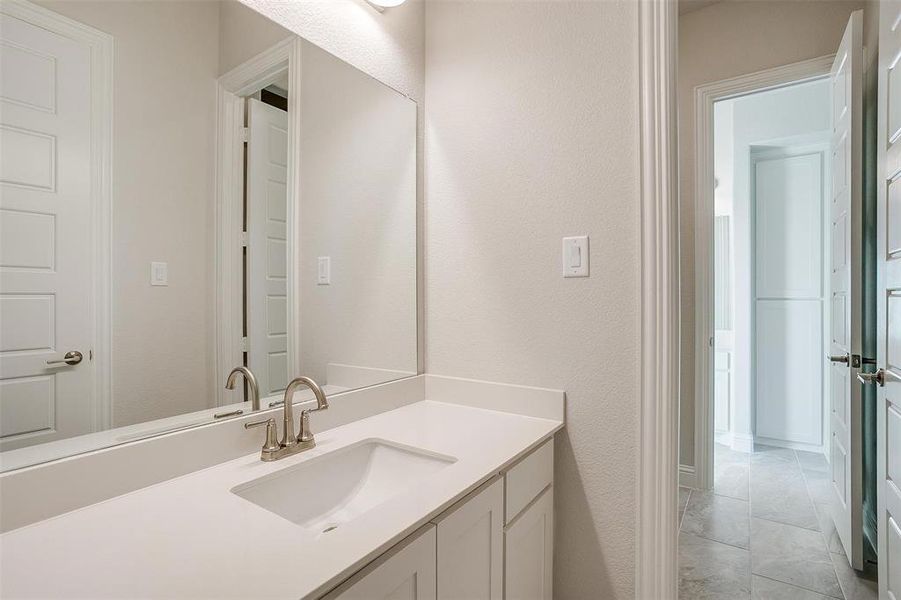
(406, 572)
(788, 199)
(529, 544)
(888, 252)
(845, 289)
(471, 547)
(267, 255)
(46, 243)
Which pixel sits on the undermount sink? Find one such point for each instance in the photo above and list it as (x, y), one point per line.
(333, 489)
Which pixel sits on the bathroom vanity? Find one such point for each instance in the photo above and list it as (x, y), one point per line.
(447, 496)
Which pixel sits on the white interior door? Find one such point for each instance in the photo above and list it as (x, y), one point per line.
(267, 256)
(888, 252)
(46, 243)
(788, 201)
(845, 289)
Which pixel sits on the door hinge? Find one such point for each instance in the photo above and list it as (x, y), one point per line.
(244, 238)
(244, 344)
(245, 134)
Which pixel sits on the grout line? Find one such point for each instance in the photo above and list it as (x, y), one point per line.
(800, 587)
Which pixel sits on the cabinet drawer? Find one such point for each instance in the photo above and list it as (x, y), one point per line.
(525, 480)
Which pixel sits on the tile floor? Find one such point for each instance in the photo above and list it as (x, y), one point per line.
(764, 532)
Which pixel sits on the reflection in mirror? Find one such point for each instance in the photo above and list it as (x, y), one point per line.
(186, 188)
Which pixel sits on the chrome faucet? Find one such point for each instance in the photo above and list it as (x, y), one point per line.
(251, 383)
(291, 443)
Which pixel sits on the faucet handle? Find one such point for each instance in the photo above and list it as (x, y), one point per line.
(306, 436)
(271, 444)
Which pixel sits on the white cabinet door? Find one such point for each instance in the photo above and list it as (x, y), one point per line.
(406, 572)
(471, 547)
(529, 542)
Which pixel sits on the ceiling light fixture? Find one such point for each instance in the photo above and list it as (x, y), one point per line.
(381, 5)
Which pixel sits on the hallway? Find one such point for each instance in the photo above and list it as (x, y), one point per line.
(764, 532)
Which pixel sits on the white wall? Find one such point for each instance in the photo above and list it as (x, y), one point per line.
(358, 207)
(720, 41)
(532, 135)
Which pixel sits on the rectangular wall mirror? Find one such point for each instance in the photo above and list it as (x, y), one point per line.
(186, 188)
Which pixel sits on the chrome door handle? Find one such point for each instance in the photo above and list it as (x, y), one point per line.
(880, 377)
(840, 359)
(73, 357)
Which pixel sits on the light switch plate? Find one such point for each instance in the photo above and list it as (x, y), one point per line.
(324, 272)
(575, 256)
(159, 273)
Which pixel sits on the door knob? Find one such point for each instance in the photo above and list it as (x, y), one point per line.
(880, 377)
(72, 357)
(840, 359)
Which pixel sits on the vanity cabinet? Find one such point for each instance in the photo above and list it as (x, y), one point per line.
(406, 572)
(471, 546)
(496, 543)
(529, 542)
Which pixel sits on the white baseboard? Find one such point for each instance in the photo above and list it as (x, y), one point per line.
(742, 442)
(687, 477)
(792, 445)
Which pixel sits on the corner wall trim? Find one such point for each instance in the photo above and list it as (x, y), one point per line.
(656, 547)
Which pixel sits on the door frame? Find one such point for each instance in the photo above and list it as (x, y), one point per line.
(701, 475)
(102, 46)
(656, 547)
(261, 70)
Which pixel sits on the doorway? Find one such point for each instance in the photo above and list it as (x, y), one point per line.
(769, 490)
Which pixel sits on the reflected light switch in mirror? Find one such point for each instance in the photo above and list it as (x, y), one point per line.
(159, 273)
(575, 256)
(324, 274)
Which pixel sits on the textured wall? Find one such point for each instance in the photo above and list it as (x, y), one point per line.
(725, 40)
(532, 135)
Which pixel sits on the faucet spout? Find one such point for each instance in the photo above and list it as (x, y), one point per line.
(251, 383)
(288, 436)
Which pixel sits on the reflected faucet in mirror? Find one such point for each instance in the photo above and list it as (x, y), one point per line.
(251, 383)
(290, 443)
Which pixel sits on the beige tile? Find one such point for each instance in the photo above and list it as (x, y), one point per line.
(731, 479)
(827, 527)
(792, 555)
(717, 518)
(684, 494)
(712, 571)
(768, 589)
(779, 493)
(855, 585)
(812, 461)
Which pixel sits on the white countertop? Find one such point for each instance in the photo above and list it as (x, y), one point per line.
(191, 537)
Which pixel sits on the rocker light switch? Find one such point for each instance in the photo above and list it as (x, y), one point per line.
(159, 273)
(575, 256)
(324, 274)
